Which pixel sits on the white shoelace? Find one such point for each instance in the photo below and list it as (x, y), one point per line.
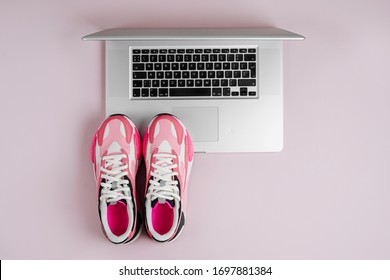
(161, 184)
(115, 188)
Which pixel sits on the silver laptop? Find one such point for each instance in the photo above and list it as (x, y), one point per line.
(225, 85)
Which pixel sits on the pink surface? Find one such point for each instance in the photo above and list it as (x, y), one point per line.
(326, 196)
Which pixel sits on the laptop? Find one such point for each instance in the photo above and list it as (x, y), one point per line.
(225, 85)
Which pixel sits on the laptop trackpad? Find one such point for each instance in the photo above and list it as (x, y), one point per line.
(202, 122)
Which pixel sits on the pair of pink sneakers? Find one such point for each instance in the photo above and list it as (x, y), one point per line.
(116, 154)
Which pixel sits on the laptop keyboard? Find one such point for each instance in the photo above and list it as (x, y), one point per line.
(180, 73)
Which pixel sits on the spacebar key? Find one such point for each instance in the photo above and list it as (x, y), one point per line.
(183, 92)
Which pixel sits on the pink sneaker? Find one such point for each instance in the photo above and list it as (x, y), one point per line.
(115, 154)
(168, 155)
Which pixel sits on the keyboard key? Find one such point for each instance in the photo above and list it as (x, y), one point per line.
(177, 75)
(222, 57)
(189, 50)
(181, 51)
(139, 75)
(217, 65)
(171, 51)
(136, 58)
(168, 75)
(252, 93)
(209, 66)
(247, 82)
(145, 92)
(160, 75)
(136, 92)
(185, 74)
(243, 91)
(237, 74)
(151, 75)
(220, 74)
(230, 57)
(202, 74)
(163, 92)
(225, 50)
(183, 66)
(153, 92)
(194, 74)
(250, 57)
(245, 74)
(243, 50)
(224, 83)
(179, 58)
(215, 83)
(243, 65)
(198, 51)
(213, 57)
(217, 92)
(145, 51)
(170, 58)
(153, 58)
(207, 51)
(233, 82)
(252, 68)
(172, 83)
(205, 57)
(251, 50)
(196, 57)
(235, 65)
(149, 66)
(164, 83)
(188, 58)
(226, 66)
(228, 74)
(157, 66)
(200, 66)
(183, 92)
(235, 93)
(138, 66)
(155, 83)
(147, 83)
(181, 83)
(239, 57)
(198, 83)
(234, 50)
(191, 66)
(207, 83)
(162, 57)
(211, 74)
(226, 92)
(166, 66)
(136, 51)
(163, 51)
(154, 51)
(144, 58)
(216, 50)
(175, 66)
(190, 83)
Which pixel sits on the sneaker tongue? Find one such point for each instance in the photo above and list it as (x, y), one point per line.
(122, 201)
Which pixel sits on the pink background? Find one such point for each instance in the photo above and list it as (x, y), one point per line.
(326, 196)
